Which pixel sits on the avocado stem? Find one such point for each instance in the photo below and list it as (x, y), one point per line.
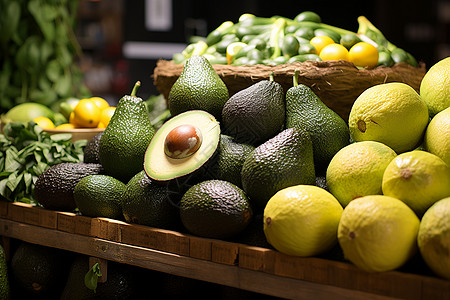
(295, 78)
(135, 88)
(271, 78)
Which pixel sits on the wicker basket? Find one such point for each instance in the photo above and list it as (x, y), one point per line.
(337, 83)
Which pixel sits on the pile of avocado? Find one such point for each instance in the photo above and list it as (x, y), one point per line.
(211, 167)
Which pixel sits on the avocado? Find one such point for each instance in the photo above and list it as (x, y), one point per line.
(215, 209)
(39, 270)
(282, 161)
(329, 132)
(54, 187)
(230, 158)
(148, 203)
(198, 87)
(120, 283)
(4, 276)
(100, 196)
(125, 139)
(182, 145)
(255, 114)
(91, 150)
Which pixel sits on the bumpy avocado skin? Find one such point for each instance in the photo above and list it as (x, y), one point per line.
(198, 87)
(329, 132)
(91, 151)
(147, 202)
(54, 188)
(255, 114)
(215, 209)
(4, 276)
(125, 139)
(283, 161)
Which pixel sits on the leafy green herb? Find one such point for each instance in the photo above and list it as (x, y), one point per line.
(91, 277)
(26, 151)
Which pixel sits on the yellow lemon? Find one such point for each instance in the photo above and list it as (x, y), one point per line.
(44, 122)
(437, 135)
(302, 220)
(86, 114)
(391, 113)
(364, 55)
(319, 42)
(418, 178)
(105, 116)
(435, 86)
(378, 233)
(334, 52)
(357, 170)
(434, 236)
(101, 103)
(65, 126)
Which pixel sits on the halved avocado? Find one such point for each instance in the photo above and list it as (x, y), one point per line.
(182, 145)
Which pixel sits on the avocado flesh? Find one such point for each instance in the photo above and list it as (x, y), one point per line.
(161, 167)
(329, 132)
(198, 88)
(255, 114)
(125, 139)
(54, 188)
(283, 161)
(215, 209)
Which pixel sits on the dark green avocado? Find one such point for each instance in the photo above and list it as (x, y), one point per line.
(255, 114)
(54, 188)
(283, 161)
(91, 151)
(215, 209)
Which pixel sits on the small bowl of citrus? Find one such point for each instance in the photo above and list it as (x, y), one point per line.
(89, 117)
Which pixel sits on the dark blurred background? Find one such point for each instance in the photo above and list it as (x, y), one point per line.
(122, 40)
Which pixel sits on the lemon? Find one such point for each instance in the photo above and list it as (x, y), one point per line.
(44, 122)
(418, 178)
(302, 220)
(437, 135)
(334, 52)
(319, 42)
(233, 49)
(391, 113)
(378, 233)
(86, 114)
(357, 170)
(434, 238)
(435, 86)
(101, 102)
(106, 115)
(364, 55)
(65, 126)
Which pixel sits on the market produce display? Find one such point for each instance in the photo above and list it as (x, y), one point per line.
(279, 40)
(372, 190)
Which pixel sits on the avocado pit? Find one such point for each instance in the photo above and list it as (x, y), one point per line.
(182, 141)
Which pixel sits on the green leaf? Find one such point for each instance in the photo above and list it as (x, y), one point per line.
(63, 85)
(10, 22)
(91, 277)
(54, 70)
(47, 28)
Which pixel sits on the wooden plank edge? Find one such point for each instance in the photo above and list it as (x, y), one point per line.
(233, 276)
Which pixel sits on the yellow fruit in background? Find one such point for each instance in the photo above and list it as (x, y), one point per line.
(86, 114)
(233, 49)
(418, 178)
(334, 52)
(434, 238)
(378, 233)
(364, 55)
(65, 126)
(44, 122)
(391, 113)
(101, 103)
(437, 136)
(357, 170)
(435, 86)
(319, 42)
(105, 116)
(302, 220)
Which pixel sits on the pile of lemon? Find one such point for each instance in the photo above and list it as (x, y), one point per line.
(388, 191)
(94, 112)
